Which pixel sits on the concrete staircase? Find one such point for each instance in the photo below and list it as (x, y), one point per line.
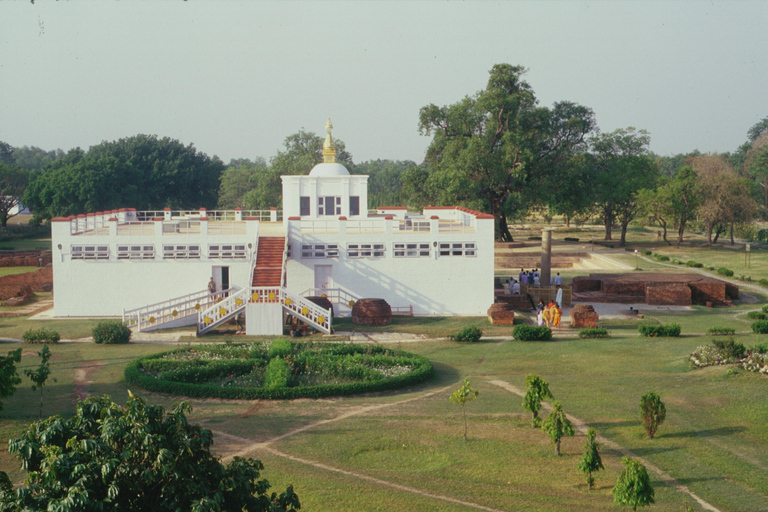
(269, 262)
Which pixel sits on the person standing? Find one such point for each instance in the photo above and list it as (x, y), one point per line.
(520, 275)
(515, 288)
(211, 286)
(558, 280)
(559, 297)
(523, 278)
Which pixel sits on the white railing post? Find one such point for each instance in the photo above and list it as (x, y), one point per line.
(273, 215)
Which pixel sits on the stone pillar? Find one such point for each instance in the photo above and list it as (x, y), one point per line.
(546, 256)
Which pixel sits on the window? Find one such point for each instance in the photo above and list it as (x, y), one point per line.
(458, 249)
(412, 250)
(319, 251)
(354, 205)
(365, 250)
(227, 252)
(181, 252)
(90, 252)
(329, 206)
(304, 205)
(135, 252)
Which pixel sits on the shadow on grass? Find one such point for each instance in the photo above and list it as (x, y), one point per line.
(687, 481)
(645, 452)
(714, 432)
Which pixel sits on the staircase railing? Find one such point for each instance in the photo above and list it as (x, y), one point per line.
(335, 295)
(283, 276)
(254, 256)
(153, 316)
(307, 311)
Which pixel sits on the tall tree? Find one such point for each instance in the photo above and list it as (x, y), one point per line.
(756, 164)
(237, 180)
(304, 150)
(685, 198)
(33, 158)
(135, 457)
(6, 154)
(489, 147)
(656, 204)
(623, 167)
(13, 183)
(144, 172)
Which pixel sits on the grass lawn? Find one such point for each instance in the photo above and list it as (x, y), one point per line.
(26, 244)
(9, 271)
(15, 327)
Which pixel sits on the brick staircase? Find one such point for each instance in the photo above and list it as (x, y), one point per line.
(269, 261)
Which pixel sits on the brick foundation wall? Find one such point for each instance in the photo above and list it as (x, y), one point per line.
(668, 294)
(703, 292)
(24, 258)
(586, 284)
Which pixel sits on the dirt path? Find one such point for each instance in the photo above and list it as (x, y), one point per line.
(83, 377)
(581, 426)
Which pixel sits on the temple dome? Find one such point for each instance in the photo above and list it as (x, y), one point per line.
(326, 170)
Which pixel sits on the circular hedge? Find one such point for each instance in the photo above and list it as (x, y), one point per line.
(277, 370)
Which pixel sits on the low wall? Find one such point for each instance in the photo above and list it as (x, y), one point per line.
(25, 258)
(668, 294)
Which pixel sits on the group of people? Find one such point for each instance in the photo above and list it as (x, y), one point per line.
(548, 314)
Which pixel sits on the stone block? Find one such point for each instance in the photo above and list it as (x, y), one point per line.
(371, 312)
(583, 315)
(668, 294)
(501, 313)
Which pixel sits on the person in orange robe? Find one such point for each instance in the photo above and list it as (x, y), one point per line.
(556, 313)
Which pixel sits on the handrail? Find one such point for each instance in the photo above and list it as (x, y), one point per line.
(335, 295)
(171, 309)
(208, 318)
(283, 272)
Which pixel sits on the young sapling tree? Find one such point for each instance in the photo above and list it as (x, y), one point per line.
(590, 460)
(633, 488)
(653, 412)
(557, 426)
(461, 396)
(40, 375)
(536, 390)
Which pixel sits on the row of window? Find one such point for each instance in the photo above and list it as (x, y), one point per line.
(329, 205)
(147, 252)
(399, 250)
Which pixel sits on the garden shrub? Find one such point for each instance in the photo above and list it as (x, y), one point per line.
(656, 331)
(277, 374)
(716, 330)
(646, 252)
(725, 272)
(763, 282)
(596, 332)
(694, 264)
(730, 349)
(570, 239)
(41, 335)
(757, 315)
(760, 327)
(280, 348)
(765, 308)
(532, 333)
(469, 334)
(760, 347)
(661, 257)
(111, 332)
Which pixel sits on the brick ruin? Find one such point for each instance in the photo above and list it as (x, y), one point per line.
(655, 289)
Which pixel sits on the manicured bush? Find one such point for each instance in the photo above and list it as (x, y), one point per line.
(694, 264)
(757, 315)
(532, 333)
(570, 239)
(646, 252)
(764, 282)
(760, 327)
(721, 331)
(589, 332)
(765, 308)
(759, 348)
(730, 349)
(111, 332)
(41, 335)
(280, 348)
(725, 272)
(278, 373)
(661, 257)
(659, 331)
(469, 334)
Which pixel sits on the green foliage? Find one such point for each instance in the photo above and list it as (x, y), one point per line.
(469, 334)
(633, 488)
(590, 332)
(725, 272)
(661, 257)
(532, 333)
(653, 412)
(237, 371)
(280, 348)
(760, 347)
(111, 332)
(730, 348)
(557, 425)
(278, 374)
(757, 315)
(645, 252)
(717, 330)
(570, 239)
(13, 182)
(9, 377)
(41, 335)
(536, 390)
(40, 375)
(463, 395)
(664, 330)
(765, 307)
(760, 327)
(130, 458)
(590, 460)
(694, 264)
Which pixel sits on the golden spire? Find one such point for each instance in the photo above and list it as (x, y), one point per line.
(329, 148)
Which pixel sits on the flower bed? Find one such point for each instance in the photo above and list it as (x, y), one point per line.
(753, 360)
(252, 371)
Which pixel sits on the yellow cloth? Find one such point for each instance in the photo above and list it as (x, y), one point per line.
(557, 314)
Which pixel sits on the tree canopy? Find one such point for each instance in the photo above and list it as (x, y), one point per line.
(143, 172)
(133, 458)
(497, 150)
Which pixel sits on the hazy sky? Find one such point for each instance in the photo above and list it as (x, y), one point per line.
(235, 78)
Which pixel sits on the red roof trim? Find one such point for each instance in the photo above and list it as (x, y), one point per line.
(60, 219)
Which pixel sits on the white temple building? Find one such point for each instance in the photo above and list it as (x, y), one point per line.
(153, 267)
